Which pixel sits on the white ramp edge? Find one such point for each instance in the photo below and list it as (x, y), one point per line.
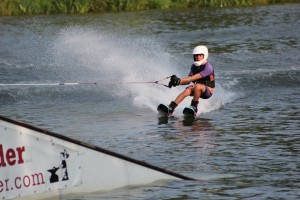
(36, 163)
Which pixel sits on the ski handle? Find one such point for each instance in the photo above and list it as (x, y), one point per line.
(157, 82)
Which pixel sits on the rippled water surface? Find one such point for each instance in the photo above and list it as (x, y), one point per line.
(244, 143)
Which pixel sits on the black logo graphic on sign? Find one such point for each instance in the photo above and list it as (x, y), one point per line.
(63, 166)
(54, 176)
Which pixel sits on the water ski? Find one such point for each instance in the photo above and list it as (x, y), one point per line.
(189, 112)
(163, 110)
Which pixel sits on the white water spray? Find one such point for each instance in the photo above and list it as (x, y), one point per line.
(126, 58)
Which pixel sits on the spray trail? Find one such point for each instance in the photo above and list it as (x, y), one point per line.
(102, 56)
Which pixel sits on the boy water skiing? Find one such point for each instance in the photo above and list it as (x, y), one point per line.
(202, 75)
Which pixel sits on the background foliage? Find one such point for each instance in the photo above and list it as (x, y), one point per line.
(34, 7)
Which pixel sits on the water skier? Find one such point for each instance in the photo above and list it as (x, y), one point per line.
(202, 75)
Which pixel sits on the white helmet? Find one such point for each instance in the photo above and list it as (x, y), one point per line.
(200, 50)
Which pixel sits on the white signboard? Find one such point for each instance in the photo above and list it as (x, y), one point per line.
(35, 162)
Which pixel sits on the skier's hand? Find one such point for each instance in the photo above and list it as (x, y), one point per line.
(174, 81)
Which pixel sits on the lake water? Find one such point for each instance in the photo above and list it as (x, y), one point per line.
(245, 141)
